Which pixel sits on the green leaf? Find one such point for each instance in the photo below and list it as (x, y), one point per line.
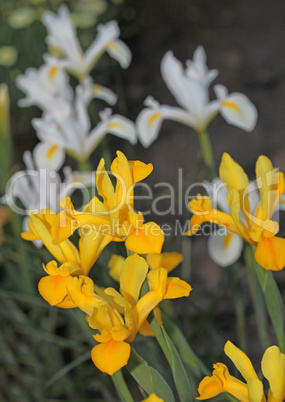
(148, 378)
(187, 354)
(178, 371)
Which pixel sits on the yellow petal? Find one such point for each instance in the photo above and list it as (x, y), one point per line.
(142, 309)
(273, 368)
(232, 174)
(203, 212)
(140, 170)
(104, 185)
(222, 381)
(124, 177)
(270, 253)
(132, 276)
(147, 239)
(233, 200)
(91, 244)
(241, 361)
(175, 288)
(62, 227)
(53, 290)
(110, 357)
(41, 224)
(115, 264)
(255, 391)
(265, 174)
(168, 261)
(81, 292)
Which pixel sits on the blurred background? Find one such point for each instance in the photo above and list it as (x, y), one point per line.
(45, 353)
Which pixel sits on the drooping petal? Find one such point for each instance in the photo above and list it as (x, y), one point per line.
(140, 170)
(149, 123)
(147, 239)
(222, 381)
(53, 290)
(164, 260)
(120, 52)
(81, 292)
(270, 253)
(111, 356)
(132, 276)
(48, 156)
(202, 208)
(176, 287)
(122, 128)
(238, 110)
(53, 287)
(224, 248)
(273, 368)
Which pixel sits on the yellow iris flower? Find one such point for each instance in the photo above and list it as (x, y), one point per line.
(115, 216)
(256, 227)
(169, 261)
(273, 368)
(119, 316)
(73, 261)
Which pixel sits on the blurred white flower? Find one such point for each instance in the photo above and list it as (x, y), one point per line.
(48, 87)
(73, 134)
(90, 90)
(62, 37)
(39, 187)
(190, 88)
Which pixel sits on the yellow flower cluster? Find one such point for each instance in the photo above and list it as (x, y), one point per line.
(117, 316)
(273, 368)
(253, 225)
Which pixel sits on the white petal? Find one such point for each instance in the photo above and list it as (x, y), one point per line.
(123, 128)
(148, 124)
(282, 203)
(120, 52)
(48, 156)
(106, 33)
(221, 92)
(222, 252)
(237, 109)
(96, 91)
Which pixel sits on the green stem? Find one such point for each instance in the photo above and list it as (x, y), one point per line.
(207, 153)
(84, 166)
(121, 387)
(257, 299)
(273, 302)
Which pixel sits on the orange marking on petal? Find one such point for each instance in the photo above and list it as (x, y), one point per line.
(114, 125)
(231, 105)
(228, 239)
(51, 151)
(96, 89)
(53, 71)
(112, 45)
(154, 117)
